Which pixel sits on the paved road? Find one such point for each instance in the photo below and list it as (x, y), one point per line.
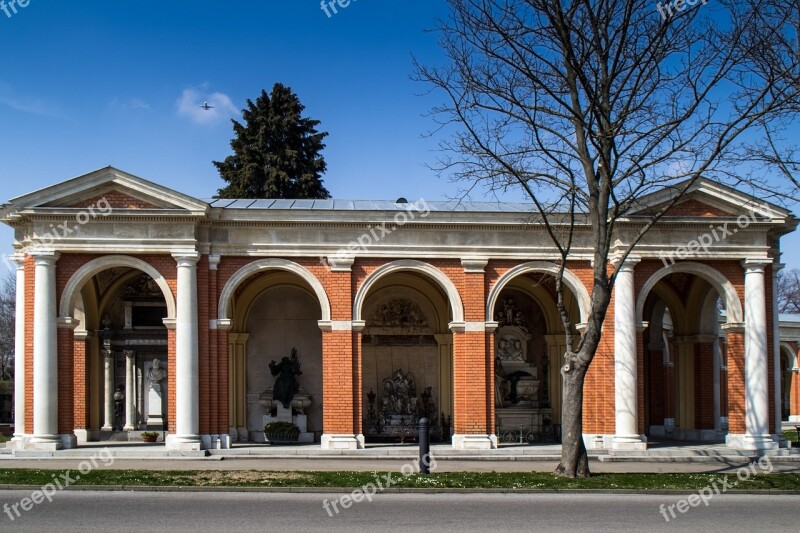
(390, 513)
(380, 465)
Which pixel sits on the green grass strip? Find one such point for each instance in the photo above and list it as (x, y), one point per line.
(340, 480)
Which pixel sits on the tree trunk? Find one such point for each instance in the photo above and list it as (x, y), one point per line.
(574, 458)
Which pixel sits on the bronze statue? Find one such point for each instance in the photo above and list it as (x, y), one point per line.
(286, 385)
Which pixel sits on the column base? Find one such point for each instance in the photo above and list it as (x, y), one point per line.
(751, 443)
(474, 442)
(629, 443)
(794, 418)
(44, 443)
(215, 442)
(87, 435)
(597, 441)
(18, 442)
(184, 442)
(68, 441)
(339, 441)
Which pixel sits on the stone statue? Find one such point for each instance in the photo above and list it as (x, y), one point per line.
(286, 384)
(399, 393)
(502, 387)
(156, 374)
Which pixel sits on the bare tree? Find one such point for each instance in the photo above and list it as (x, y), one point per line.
(8, 303)
(586, 105)
(789, 291)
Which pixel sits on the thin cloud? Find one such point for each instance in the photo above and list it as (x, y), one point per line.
(136, 104)
(133, 104)
(23, 104)
(189, 106)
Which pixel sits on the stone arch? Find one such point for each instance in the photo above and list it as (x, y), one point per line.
(722, 285)
(92, 268)
(272, 264)
(410, 265)
(570, 280)
(787, 349)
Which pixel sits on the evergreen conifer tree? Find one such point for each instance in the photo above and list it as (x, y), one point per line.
(276, 152)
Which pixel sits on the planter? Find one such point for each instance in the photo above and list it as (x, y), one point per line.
(281, 438)
(150, 438)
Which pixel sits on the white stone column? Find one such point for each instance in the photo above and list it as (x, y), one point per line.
(45, 353)
(108, 390)
(626, 434)
(187, 366)
(756, 375)
(717, 365)
(19, 354)
(130, 390)
(776, 356)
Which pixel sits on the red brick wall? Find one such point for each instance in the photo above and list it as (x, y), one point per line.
(66, 381)
(337, 383)
(695, 208)
(116, 200)
(81, 406)
(736, 389)
(342, 383)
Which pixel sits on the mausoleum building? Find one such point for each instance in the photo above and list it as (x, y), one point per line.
(141, 308)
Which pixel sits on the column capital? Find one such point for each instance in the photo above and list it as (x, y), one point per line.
(341, 325)
(474, 265)
(223, 324)
(625, 266)
(213, 261)
(129, 353)
(19, 259)
(45, 257)
(756, 264)
(186, 259)
(340, 263)
(778, 266)
(67, 323)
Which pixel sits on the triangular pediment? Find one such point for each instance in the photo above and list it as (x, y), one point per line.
(120, 190)
(706, 198)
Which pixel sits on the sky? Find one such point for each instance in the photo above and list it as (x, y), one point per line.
(94, 83)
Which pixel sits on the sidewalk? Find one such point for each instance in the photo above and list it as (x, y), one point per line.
(542, 458)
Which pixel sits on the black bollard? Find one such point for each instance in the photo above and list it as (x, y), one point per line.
(424, 446)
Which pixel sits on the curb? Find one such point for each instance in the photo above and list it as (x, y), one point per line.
(409, 490)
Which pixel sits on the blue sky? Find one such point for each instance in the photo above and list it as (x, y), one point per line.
(94, 83)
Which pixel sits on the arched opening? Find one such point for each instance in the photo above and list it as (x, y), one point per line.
(787, 360)
(406, 358)
(528, 346)
(275, 315)
(122, 382)
(685, 376)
